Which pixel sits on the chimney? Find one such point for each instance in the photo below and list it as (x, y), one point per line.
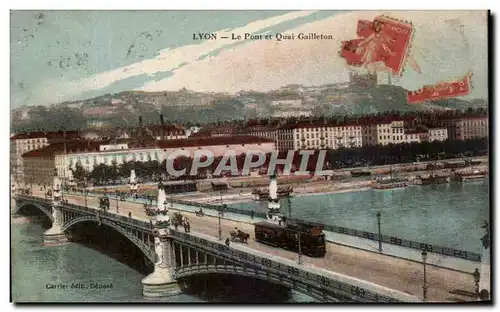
(162, 123)
(140, 125)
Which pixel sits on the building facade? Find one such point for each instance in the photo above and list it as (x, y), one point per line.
(20, 144)
(318, 136)
(471, 128)
(95, 153)
(26, 142)
(262, 132)
(438, 134)
(38, 169)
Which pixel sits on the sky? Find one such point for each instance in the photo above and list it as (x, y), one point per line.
(61, 56)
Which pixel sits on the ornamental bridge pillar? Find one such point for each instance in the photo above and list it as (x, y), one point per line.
(55, 235)
(161, 283)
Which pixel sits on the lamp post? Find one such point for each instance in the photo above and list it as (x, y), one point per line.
(289, 206)
(477, 279)
(220, 215)
(171, 200)
(379, 215)
(85, 193)
(299, 258)
(117, 197)
(424, 286)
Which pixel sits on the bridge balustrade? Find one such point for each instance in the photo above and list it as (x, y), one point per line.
(447, 251)
(288, 270)
(353, 232)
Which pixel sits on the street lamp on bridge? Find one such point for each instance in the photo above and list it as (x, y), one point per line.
(379, 215)
(85, 194)
(299, 258)
(477, 279)
(220, 215)
(297, 233)
(289, 207)
(424, 286)
(117, 198)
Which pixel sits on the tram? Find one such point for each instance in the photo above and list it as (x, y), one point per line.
(312, 238)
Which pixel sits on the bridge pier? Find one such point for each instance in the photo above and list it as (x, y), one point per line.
(55, 235)
(161, 283)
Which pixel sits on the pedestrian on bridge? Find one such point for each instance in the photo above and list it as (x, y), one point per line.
(130, 214)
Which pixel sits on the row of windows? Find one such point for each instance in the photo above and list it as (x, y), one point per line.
(343, 128)
(32, 141)
(398, 137)
(475, 122)
(118, 158)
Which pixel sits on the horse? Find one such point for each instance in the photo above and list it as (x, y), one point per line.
(239, 235)
(104, 203)
(177, 220)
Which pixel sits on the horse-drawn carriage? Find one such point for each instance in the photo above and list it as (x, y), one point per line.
(104, 203)
(149, 210)
(237, 235)
(199, 213)
(179, 220)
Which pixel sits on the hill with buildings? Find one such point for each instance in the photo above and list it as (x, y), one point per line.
(360, 96)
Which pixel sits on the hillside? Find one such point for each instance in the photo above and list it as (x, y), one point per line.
(123, 109)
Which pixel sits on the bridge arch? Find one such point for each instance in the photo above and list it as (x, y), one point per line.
(146, 250)
(20, 206)
(234, 269)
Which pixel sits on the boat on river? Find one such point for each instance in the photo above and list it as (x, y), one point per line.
(431, 179)
(389, 182)
(474, 175)
(360, 173)
(263, 194)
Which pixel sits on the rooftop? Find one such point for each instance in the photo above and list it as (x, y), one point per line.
(49, 135)
(156, 130)
(71, 147)
(208, 141)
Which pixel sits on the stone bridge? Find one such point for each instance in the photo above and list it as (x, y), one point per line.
(177, 255)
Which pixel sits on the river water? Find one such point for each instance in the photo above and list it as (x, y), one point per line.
(448, 215)
(35, 268)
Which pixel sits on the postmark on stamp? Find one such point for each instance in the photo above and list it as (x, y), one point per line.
(442, 90)
(384, 45)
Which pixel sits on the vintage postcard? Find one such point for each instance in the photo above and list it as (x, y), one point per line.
(250, 156)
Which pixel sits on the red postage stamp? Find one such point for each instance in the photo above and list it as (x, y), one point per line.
(384, 45)
(442, 90)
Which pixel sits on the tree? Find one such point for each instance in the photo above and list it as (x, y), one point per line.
(101, 173)
(79, 173)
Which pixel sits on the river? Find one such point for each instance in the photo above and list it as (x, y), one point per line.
(449, 215)
(36, 267)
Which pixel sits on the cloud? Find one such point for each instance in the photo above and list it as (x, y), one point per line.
(265, 65)
(166, 60)
(444, 50)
